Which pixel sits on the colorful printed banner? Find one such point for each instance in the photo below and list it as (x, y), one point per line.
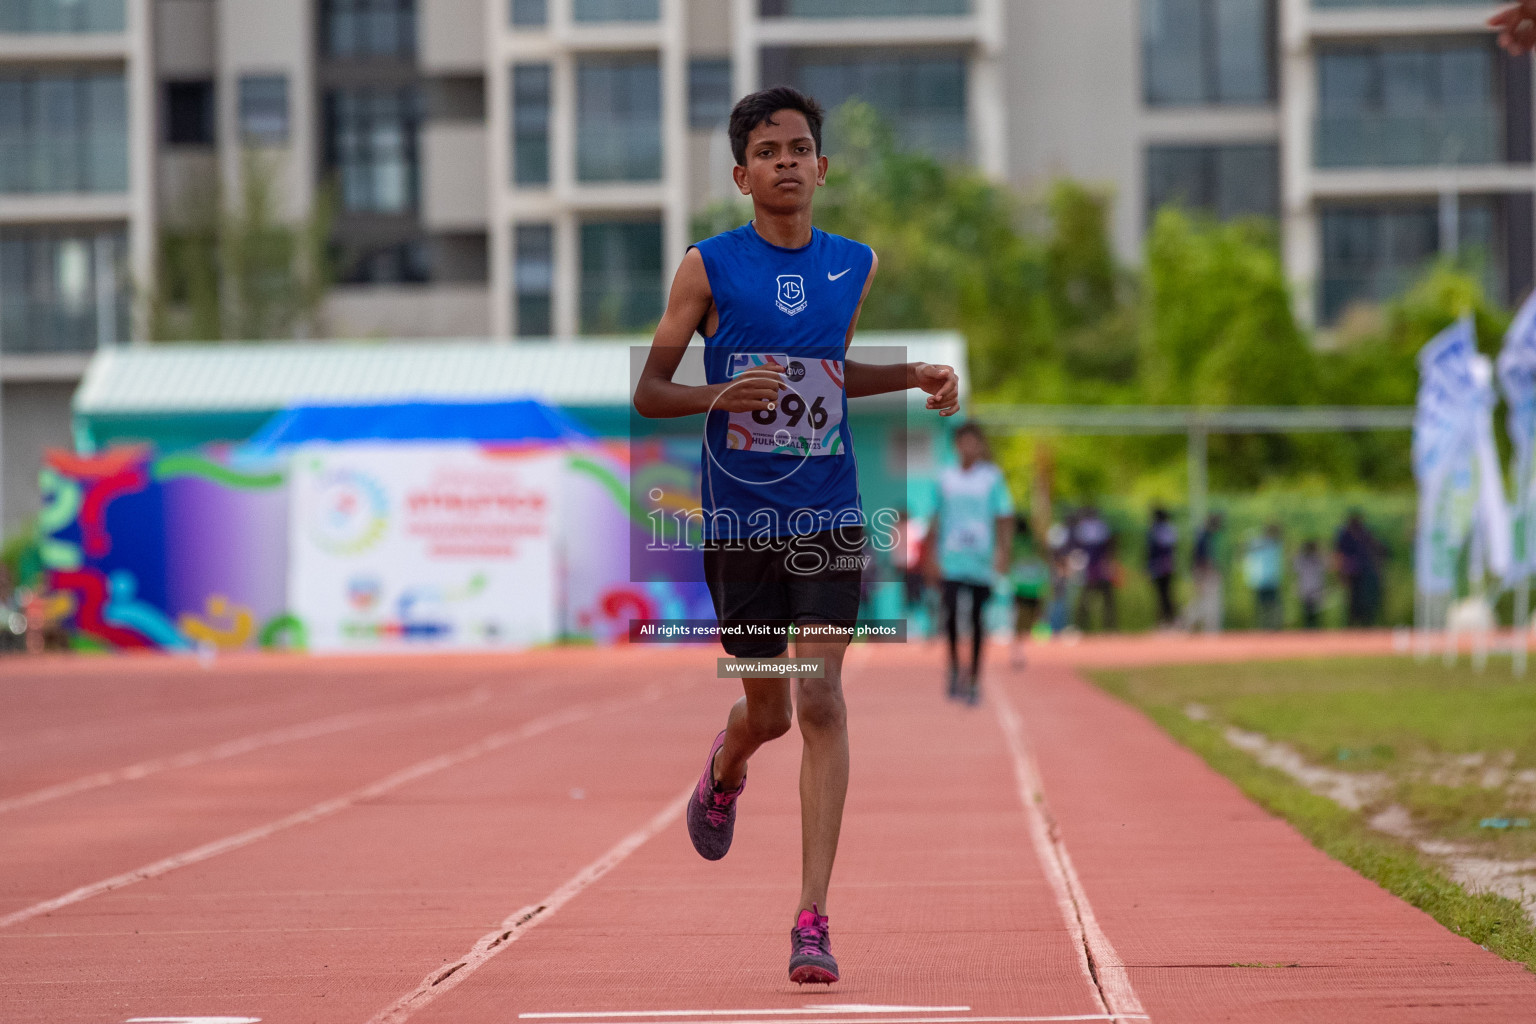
(423, 546)
(177, 552)
(184, 552)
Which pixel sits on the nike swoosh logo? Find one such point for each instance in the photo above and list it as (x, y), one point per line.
(833, 277)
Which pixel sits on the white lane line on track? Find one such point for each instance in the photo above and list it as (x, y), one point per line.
(1103, 967)
(1111, 1017)
(326, 808)
(241, 745)
(812, 1008)
(521, 921)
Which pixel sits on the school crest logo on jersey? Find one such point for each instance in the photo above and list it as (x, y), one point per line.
(741, 362)
(791, 297)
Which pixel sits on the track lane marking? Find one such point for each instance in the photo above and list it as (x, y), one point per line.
(240, 745)
(521, 921)
(809, 1008)
(1106, 972)
(918, 1020)
(327, 808)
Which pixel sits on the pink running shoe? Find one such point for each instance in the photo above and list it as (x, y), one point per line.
(712, 812)
(810, 944)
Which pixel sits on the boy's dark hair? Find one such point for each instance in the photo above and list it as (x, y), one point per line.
(759, 108)
(970, 427)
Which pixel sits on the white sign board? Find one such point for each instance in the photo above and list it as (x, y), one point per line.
(422, 546)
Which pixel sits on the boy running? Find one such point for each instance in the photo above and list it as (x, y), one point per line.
(975, 535)
(776, 302)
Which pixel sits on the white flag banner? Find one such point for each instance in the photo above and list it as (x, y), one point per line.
(1492, 515)
(1444, 462)
(1517, 379)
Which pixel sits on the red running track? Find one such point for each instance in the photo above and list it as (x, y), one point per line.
(482, 839)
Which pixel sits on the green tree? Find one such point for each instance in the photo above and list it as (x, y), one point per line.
(1081, 276)
(239, 271)
(953, 254)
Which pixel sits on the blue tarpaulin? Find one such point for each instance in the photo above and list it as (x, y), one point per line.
(490, 422)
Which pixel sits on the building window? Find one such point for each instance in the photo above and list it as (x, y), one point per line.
(862, 8)
(264, 109)
(618, 118)
(530, 124)
(371, 146)
(528, 13)
(709, 93)
(63, 133)
(533, 274)
(1417, 104)
(1208, 51)
(620, 276)
(368, 28)
(615, 10)
(402, 261)
(189, 113)
(921, 93)
(61, 16)
(1225, 181)
(1372, 253)
(61, 291)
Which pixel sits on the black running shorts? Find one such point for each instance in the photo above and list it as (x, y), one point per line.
(779, 580)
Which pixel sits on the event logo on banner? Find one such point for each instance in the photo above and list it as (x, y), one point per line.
(351, 512)
(424, 545)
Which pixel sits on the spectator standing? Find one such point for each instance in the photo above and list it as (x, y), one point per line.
(1093, 537)
(1358, 554)
(1311, 582)
(1058, 542)
(1204, 612)
(1162, 546)
(1263, 567)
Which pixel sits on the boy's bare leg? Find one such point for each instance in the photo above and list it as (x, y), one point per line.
(823, 720)
(763, 714)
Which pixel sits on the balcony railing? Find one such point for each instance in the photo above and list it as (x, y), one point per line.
(27, 16)
(619, 151)
(864, 8)
(584, 11)
(1339, 288)
(620, 308)
(1408, 140)
(1400, 3)
(935, 134)
(42, 326)
(65, 162)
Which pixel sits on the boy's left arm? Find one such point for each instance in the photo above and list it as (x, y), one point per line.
(864, 379)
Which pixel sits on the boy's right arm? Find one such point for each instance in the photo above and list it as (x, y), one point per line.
(657, 396)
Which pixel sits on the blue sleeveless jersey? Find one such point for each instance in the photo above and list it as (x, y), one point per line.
(790, 471)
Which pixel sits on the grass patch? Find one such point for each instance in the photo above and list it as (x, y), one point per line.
(1323, 707)
(1458, 746)
(1361, 712)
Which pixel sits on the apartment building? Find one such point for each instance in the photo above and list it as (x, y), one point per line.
(531, 168)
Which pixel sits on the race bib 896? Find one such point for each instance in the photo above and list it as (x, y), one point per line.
(805, 418)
